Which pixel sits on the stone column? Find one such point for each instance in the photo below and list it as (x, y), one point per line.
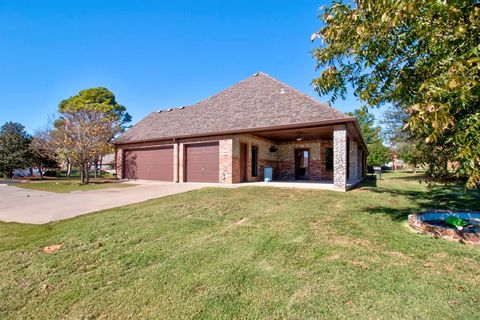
(340, 156)
(353, 160)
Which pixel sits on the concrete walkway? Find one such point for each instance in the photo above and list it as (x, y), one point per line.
(38, 207)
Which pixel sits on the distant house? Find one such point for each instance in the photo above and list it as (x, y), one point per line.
(234, 135)
(107, 163)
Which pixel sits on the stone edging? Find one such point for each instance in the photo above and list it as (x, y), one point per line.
(451, 234)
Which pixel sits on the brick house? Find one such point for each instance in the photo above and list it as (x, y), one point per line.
(232, 136)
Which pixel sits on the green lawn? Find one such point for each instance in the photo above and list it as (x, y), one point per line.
(65, 186)
(250, 252)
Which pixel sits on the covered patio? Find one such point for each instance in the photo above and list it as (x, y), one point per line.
(330, 157)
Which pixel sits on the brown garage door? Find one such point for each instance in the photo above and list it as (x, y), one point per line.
(149, 164)
(202, 164)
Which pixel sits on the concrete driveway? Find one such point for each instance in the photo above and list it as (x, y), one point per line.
(38, 207)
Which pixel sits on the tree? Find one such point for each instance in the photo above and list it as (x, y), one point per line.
(98, 99)
(14, 148)
(412, 154)
(420, 55)
(378, 154)
(412, 150)
(43, 151)
(370, 131)
(87, 125)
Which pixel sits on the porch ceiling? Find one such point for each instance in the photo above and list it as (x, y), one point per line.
(292, 134)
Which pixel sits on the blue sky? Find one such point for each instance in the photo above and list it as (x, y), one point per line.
(151, 54)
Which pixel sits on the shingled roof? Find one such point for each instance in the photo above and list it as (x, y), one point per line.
(259, 101)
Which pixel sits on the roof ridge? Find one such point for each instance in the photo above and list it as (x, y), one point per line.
(256, 74)
(221, 91)
(206, 98)
(303, 94)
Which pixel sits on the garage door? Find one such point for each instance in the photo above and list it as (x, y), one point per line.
(149, 164)
(202, 164)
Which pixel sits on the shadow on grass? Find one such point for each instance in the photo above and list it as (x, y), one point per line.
(409, 177)
(447, 197)
(369, 182)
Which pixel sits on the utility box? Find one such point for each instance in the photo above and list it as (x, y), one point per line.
(268, 174)
(378, 170)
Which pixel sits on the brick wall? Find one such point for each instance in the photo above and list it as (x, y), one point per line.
(265, 157)
(282, 160)
(119, 162)
(324, 173)
(286, 158)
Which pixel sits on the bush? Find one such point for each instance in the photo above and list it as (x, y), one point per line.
(51, 173)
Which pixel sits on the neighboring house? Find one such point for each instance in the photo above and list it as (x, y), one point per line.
(232, 136)
(107, 163)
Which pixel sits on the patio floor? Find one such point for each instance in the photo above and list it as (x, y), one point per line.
(301, 184)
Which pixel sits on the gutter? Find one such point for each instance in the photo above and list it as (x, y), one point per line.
(323, 123)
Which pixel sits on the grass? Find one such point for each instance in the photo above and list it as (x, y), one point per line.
(65, 186)
(250, 252)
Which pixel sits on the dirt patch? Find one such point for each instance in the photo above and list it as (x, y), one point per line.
(241, 221)
(332, 257)
(397, 254)
(360, 264)
(51, 249)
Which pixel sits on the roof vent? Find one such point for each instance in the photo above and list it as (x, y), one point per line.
(255, 74)
(282, 91)
(159, 111)
(169, 109)
(182, 107)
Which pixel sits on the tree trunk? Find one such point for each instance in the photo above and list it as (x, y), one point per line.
(81, 174)
(95, 172)
(101, 162)
(87, 173)
(69, 168)
(40, 171)
(414, 170)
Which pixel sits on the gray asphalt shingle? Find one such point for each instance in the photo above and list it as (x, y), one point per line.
(259, 101)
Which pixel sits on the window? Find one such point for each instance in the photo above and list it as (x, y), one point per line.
(254, 161)
(329, 158)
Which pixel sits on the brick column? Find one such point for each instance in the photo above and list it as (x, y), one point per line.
(175, 163)
(226, 161)
(353, 160)
(119, 162)
(340, 156)
(181, 162)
